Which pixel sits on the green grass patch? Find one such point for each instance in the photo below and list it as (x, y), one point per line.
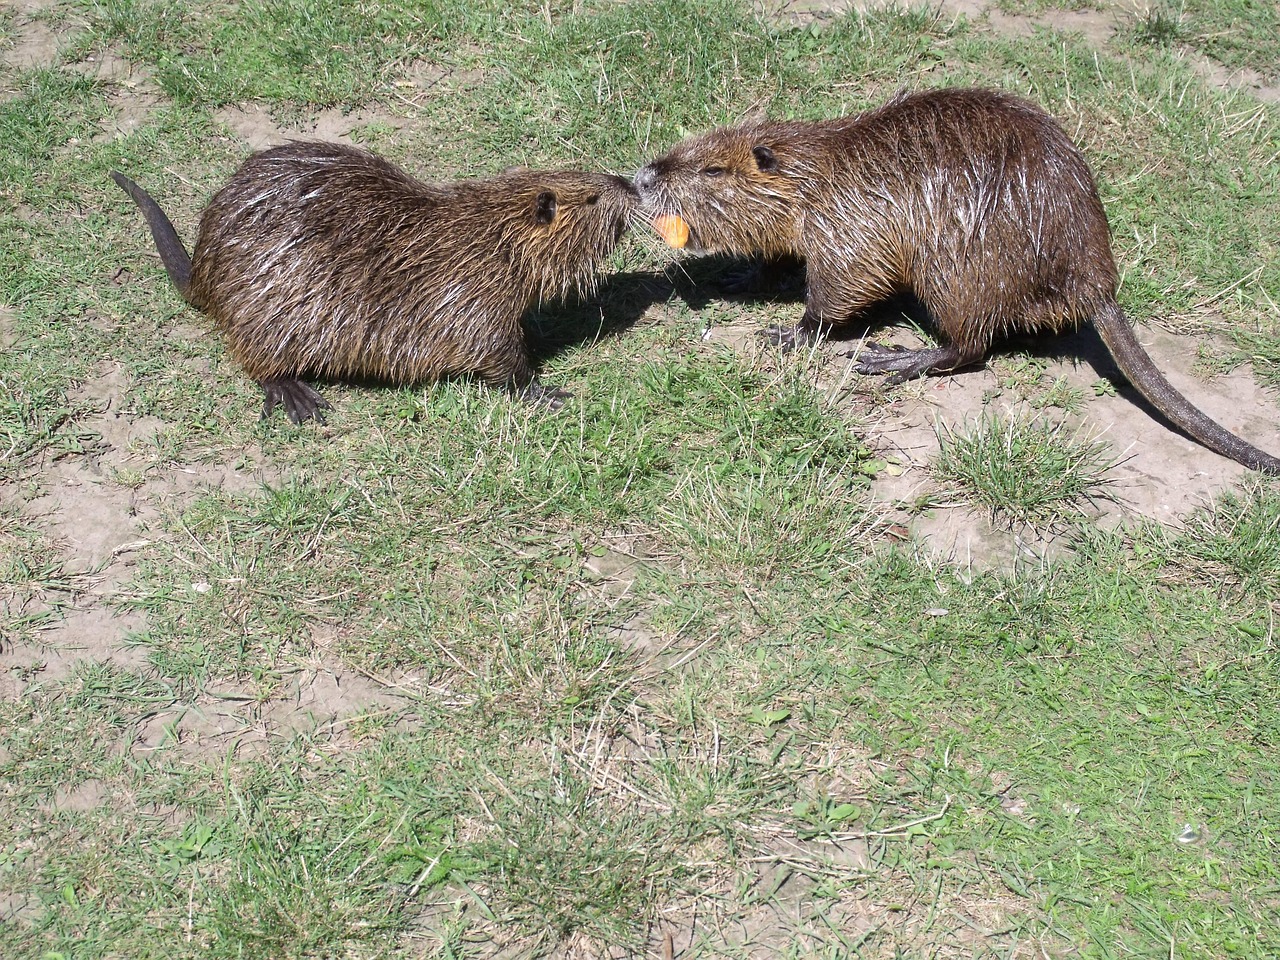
(35, 586)
(1236, 33)
(1025, 469)
(1032, 7)
(321, 52)
(751, 475)
(1238, 540)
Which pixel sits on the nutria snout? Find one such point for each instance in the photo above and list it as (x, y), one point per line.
(975, 202)
(323, 260)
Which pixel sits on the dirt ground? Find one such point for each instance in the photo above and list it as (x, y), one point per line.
(100, 525)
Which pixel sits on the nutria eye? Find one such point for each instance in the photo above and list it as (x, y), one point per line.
(713, 172)
(593, 200)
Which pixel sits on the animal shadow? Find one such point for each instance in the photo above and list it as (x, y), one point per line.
(619, 302)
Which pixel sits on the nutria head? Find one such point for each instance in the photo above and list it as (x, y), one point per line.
(736, 189)
(556, 227)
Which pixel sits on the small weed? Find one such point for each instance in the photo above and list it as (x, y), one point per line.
(1103, 388)
(823, 817)
(1062, 395)
(1020, 373)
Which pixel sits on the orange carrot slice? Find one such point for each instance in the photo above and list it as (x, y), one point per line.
(672, 229)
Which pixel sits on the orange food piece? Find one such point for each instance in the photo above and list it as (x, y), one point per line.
(672, 229)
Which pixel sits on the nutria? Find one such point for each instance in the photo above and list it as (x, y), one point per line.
(975, 202)
(323, 260)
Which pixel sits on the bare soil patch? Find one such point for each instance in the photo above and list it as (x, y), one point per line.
(35, 44)
(323, 699)
(100, 523)
(259, 128)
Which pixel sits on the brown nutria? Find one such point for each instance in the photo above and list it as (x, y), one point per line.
(323, 260)
(975, 202)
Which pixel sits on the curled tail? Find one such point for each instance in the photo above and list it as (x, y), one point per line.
(172, 253)
(1135, 363)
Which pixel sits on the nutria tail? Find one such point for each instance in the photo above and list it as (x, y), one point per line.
(172, 253)
(1151, 383)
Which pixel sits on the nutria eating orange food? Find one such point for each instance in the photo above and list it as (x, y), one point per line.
(975, 202)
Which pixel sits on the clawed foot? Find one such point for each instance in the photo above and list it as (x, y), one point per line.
(300, 401)
(902, 364)
(535, 392)
(790, 338)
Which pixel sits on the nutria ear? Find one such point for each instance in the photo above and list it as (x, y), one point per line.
(544, 208)
(765, 160)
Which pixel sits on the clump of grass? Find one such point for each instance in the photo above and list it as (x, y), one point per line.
(1025, 469)
(563, 860)
(35, 585)
(1239, 537)
(1160, 26)
(1261, 348)
(1029, 8)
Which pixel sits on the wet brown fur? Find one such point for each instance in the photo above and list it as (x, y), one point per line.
(322, 260)
(974, 201)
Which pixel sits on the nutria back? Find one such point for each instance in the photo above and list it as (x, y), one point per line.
(974, 201)
(323, 260)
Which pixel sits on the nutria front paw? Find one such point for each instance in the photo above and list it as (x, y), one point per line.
(553, 397)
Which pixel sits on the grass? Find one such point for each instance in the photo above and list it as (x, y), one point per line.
(1237, 540)
(34, 582)
(1033, 7)
(453, 676)
(1024, 469)
(1236, 33)
(321, 52)
(1161, 27)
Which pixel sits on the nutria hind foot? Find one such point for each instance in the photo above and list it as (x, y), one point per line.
(540, 393)
(300, 401)
(904, 364)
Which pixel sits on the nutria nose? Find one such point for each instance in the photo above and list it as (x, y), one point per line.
(646, 179)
